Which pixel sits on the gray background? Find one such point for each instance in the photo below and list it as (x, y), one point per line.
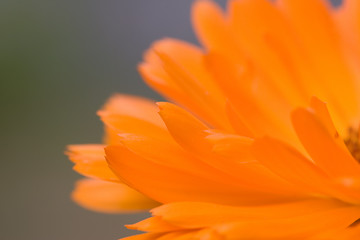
(60, 60)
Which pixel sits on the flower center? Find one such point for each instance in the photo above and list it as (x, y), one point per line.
(352, 142)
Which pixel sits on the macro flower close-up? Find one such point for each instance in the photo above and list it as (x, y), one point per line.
(259, 137)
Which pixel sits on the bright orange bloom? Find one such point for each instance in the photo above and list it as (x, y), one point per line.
(266, 143)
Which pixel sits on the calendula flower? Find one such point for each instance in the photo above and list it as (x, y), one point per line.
(263, 139)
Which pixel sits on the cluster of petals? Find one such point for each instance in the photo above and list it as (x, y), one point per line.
(259, 139)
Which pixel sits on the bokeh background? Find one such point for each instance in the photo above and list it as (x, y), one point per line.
(60, 60)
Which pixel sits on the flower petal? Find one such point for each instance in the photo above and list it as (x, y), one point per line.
(177, 71)
(349, 233)
(213, 28)
(267, 40)
(124, 113)
(193, 215)
(167, 184)
(252, 105)
(186, 129)
(90, 161)
(153, 224)
(108, 197)
(168, 153)
(316, 31)
(294, 167)
(323, 145)
(195, 137)
(298, 228)
(136, 107)
(289, 164)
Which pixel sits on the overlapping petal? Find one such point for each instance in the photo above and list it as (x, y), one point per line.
(90, 161)
(296, 220)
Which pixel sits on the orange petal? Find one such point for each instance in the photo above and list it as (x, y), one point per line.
(236, 158)
(202, 234)
(289, 164)
(120, 122)
(108, 197)
(167, 152)
(186, 129)
(90, 161)
(267, 40)
(207, 234)
(124, 113)
(136, 107)
(323, 145)
(167, 184)
(252, 105)
(323, 115)
(176, 69)
(122, 125)
(153, 224)
(348, 21)
(347, 18)
(237, 122)
(316, 31)
(213, 29)
(194, 136)
(292, 166)
(301, 227)
(179, 235)
(156, 144)
(193, 215)
(234, 147)
(349, 233)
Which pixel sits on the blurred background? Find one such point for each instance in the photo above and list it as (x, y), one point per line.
(60, 60)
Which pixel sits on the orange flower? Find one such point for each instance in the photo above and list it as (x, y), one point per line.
(103, 191)
(253, 152)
